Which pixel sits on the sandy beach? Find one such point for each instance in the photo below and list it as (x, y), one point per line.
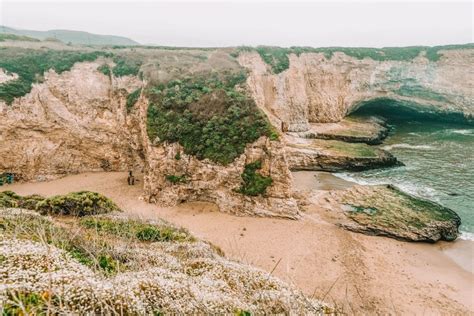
(358, 273)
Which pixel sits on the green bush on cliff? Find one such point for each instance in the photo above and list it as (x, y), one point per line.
(126, 66)
(254, 183)
(105, 69)
(132, 98)
(30, 65)
(207, 115)
(176, 178)
(77, 204)
(9, 199)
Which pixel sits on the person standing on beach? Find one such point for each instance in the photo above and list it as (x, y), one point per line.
(131, 178)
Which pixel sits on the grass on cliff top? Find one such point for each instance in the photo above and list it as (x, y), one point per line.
(12, 37)
(92, 240)
(277, 57)
(207, 115)
(74, 204)
(30, 66)
(136, 229)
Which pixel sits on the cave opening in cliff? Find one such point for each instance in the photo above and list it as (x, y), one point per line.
(401, 111)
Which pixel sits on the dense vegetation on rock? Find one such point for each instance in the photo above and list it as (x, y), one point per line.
(126, 66)
(277, 57)
(76, 204)
(207, 115)
(132, 98)
(30, 65)
(253, 182)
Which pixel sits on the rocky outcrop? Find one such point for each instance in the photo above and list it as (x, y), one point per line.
(78, 122)
(203, 180)
(333, 156)
(372, 131)
(73, 122)
(318, 89)
(387, 211)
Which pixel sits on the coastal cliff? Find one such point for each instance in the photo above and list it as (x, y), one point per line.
(193, 124)
(316, 88)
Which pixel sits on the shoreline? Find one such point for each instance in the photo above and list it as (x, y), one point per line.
(359, 273)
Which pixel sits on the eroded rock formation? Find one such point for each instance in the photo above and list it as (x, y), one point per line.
(317, 89)
(73, 122)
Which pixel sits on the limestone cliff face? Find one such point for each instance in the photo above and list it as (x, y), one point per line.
(317, 89)
(70, 123)
(78, 122)
(207, 181)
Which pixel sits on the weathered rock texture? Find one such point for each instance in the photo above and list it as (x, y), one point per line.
(78, 122)
(204, 180)
(387, 211)
(73, 122)
(333, 155)
(317, 89)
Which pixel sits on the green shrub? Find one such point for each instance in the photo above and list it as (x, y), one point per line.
(126, 66)
(77, 204)
(30, 65)
(276, 57)
(132, 229)
(176, 179)
(254, 183)
(132, 98)
(29, 202)
(108, 264)
(105, 69)
(9, 199)
(207, 115)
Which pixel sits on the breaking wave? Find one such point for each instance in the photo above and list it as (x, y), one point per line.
(410, 188)
(466, 236)
(408, 146)
(463, 131)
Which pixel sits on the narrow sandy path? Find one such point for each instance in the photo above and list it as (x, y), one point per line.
(358, 273)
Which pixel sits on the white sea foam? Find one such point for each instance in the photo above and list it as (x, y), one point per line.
(463, 131)
(408, 146)
(411, 188)
(466, 236)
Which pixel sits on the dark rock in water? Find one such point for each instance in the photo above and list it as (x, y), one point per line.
(453, 194)
(387, 211)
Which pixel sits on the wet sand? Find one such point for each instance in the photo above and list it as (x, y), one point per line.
(358, 273)
(318, 180)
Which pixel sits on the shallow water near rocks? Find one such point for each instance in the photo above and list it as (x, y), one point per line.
(439, 165)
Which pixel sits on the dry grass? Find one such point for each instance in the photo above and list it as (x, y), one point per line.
(41, 271)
